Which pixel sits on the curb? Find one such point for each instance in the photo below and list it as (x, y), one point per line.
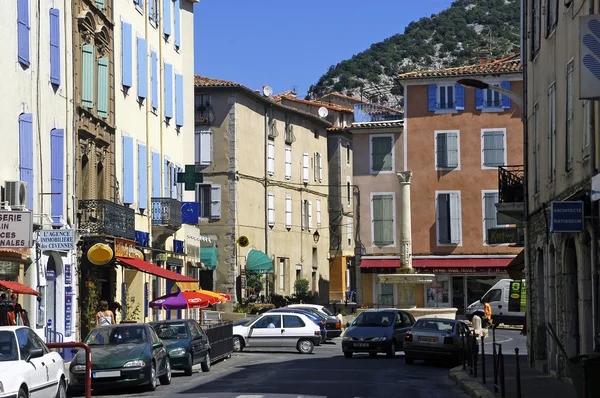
(468, 384)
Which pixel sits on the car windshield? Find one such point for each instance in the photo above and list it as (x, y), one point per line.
(243, 322)
(325, 310)
(8, 346)
(377, 319)
(435, 325)
(171, 330)
(117, 335)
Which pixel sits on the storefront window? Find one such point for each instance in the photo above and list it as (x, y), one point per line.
(477, 286)
(386, 297)
(437, 293)
(9, 271)
(41, 308)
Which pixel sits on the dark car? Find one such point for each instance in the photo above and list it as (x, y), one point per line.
(377, 331)
(332, 324)
(435, 339)
(317, 319)
(186, 342)
(122, 356)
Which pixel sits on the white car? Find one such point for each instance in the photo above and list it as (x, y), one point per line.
(27, 367)
(321, 308)
(279, 329)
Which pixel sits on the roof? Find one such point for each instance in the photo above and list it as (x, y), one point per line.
(336, 94)
(333, 107)
(203, 81)
(511, 64)
(370, 125)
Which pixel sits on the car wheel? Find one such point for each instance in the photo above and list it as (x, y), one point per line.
(372, 354)
(238, 345)
(22, 393)
(305, 346)
(62, 390)
(206, 364)
(190, 363)
(348, 354)
(153, 379)
(409, 360)
(392, 352)
(165, 379)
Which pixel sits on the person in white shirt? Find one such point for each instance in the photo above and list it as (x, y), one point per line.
(340, 318)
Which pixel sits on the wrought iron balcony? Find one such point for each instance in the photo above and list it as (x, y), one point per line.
(166, 213)
(379, 112)
(510, 184)
(103, 217)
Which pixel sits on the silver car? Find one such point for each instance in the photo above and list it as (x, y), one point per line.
(435, 339)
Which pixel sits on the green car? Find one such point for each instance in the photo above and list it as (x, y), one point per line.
(125, 355)
(186, 342)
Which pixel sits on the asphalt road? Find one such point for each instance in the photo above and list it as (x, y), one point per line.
(325, 373)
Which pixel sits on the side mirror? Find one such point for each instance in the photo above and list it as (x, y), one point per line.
(35, 353)
(158, 345)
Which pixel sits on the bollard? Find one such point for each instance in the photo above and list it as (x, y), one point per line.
(464, 353)
(586, 391)
(502, 385)
(475, 347)
(482, 359)
(518, 373)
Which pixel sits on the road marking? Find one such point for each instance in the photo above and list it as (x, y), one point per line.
(250, 396)
(499, 341)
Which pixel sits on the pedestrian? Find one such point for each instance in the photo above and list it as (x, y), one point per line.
(487, 308)
(340, 317)
(105, 316)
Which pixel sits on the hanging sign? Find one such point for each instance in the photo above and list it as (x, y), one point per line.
(125, 248)
(56, 239)
(16, 228)
(517, 300)
(566, 217)
(68, 309)
(68, 275)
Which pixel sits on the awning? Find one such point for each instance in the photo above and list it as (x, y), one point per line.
(460, 262)
(18, 288)
(258, 262)
(208, 256)
(188, 286)
(155, 270)
(516, 267)
(379, 263)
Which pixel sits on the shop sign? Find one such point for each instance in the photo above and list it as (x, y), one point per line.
(68, 310)
(503, 219)
(517, 301)
(125, 248)
(461, 270)
(56, 239)
(9, 268)
(566, 216)
(68, 275)
(50, 275)
(499, 236)
(16, 229)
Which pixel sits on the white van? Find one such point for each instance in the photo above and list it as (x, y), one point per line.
(508, 300)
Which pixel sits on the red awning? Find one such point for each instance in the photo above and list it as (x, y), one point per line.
(379, 263)
(18, 288)
(460, 262)
(149, 268)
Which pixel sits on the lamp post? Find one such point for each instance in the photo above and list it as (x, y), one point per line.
(316, 236)
(474, 83)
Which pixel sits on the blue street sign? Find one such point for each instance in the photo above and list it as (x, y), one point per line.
(566, 217)
(190, 212)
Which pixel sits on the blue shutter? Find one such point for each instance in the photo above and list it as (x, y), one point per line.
(23, 31)
(459, 91)
(146, 289)
(142, 177)
(505, 100)
(87, 76)
(151, 10)
(173, 171)
(126, 50)
(26, 154)
(180, 186)
(57, 167)
(168, 90)
(179, 100)
(139, 3)
(55, 46)
(142, 66)
(155, 175)
(127, 186)
(167, 17)
(100, 3)
(177, 20)
(103, 87)
(166, 175)
(478, 99)
(154, 80)
(431, 97)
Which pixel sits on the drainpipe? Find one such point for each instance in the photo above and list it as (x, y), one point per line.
(266, 193)
(67, 136)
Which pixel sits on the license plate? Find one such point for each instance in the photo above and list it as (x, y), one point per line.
(428, 339)
(99, 375)
(361, 344)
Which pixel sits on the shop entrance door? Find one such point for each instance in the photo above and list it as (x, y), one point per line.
(458, 294)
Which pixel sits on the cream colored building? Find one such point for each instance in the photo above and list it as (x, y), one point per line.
(266, 178)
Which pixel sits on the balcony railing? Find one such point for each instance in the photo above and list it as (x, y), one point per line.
(510, 184)
(166, 212)
(379, 112)
(104, 217)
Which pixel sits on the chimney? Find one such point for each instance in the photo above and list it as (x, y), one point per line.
(484, 56)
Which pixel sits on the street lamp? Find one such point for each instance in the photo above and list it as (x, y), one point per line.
(316, 236)
(474, 83)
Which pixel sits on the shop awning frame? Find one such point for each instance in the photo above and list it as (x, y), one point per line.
(155, 270)
(259, 262)
(366, 262)
(18, 288)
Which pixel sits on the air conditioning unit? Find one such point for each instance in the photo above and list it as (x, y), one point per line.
(17, 194)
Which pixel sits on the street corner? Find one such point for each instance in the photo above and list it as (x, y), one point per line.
(468, 384)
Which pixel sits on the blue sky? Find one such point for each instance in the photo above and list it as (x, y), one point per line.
(287, 43)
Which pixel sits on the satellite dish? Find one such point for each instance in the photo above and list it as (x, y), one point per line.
(267, 91)
(323, 112)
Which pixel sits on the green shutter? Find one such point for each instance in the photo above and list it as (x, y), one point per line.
(103, 87)
(452, 149)
(443, 217)
(87, 76)
(382, 153)
(490, 199)
(493, 148)
(383, 220)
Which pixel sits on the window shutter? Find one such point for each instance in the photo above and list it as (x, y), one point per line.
(26, 154)
(166, 177)
(167, 17)
(318, 212)
(103, 87)
(154, 66)
(142, 68)
(454, 218)
(452, 149)
(310, 215)
(441, 149)
(180, 187)
(87, 76)
(57, 172)
(142, 177)
(303, 215)
(493, 148)
(178, 100)
(177, 20)
(173, 172)
(204, 149)
(382, 153)
(505, 100)
(443, 217)
(288, 211)
(155, 175)
(168, 89)
(320, 168)
(288, 163)
(377, 204)
(271, 158)
(479, 100)
(305, 163)
(126, 53)
(151, 9)
(489, 202)
(431, 97)
(23, 33)
(316, 166)
(215, 201)
(128, 171)
(460, 97)
(271, 209)
(55, 46)
(100, 3)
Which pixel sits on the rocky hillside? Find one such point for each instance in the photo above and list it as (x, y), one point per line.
(454, 37)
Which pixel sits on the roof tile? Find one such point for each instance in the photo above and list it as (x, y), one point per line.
(511, 64)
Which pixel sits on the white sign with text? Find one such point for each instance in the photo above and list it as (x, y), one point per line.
(16, 229)
(56, 239)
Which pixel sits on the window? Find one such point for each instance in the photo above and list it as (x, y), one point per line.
(126, 54)
(318, 212)
(142, 177)
(292, 321)
(289, 130)
(55, 46)
(209, 198)
(382, 153)
(271, 209)
(268, 321)
(551, 16)
(445, 97)
(316, 133)
(347, 153)
(490, 198)
(103, 87)
(23, 32)
(303, 208)
(386, 297)
(348, 192)
(492, 296)
(536, 148)
(167, 18)
(448, 218)
(153, 12)
(493, 148)
(587, 127)
(57, 172)
(26, 161)
(309, 211)
(569, 127)
(492, 99)
(154, 77)
(305, 166)
(203, 153)
(382, 215)
(446, 150)
(282, 276)
(318, 167)
(271, 158)
(87, 75)
(288, 162)
(100, 4)
(203, 108)
(552, 132)
(128, 171)
(288, 212)
(536, 27)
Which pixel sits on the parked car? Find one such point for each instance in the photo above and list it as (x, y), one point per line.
(435, 339)
(285, 329)
(186, 343)
(377, 331)
(27, 367)
(507, 299)
(317, 319)
(123, 355)
(332, 324)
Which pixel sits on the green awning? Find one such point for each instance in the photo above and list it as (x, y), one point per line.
(258, 262)
(516, 267)
(208, 256)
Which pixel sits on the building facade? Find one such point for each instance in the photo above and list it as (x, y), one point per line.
(265, 179)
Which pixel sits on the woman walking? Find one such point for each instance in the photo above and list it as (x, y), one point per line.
(105, 316)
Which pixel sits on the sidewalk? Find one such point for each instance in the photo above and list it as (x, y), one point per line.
(533, 383)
